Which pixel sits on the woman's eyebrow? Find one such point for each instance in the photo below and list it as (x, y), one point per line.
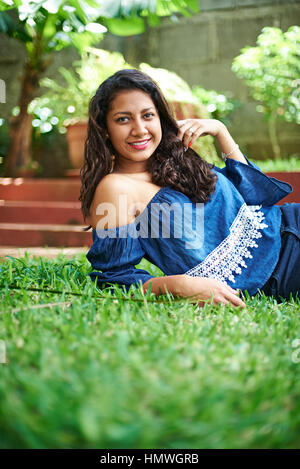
(129, 113)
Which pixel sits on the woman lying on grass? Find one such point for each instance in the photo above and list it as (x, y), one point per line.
(146, 193)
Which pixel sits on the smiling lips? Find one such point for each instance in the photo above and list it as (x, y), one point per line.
(139, 145)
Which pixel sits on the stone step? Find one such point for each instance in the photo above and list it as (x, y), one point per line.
(62, 190)
(68, 189)
(52, 235)
(39, 251)
(46, 212)
(64, 213)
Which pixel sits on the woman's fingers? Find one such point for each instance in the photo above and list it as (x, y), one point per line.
(196, 134)
(221, 300)
(190, 137)
(190, 131)
(209, 290)
(236, 301)
(230, 299)
(191, 134)
(226, 296)
(232, 295)
(183, 127)
(185, 132)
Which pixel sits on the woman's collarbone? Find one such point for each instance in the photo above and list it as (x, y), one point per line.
(142, 192)
(142, 195)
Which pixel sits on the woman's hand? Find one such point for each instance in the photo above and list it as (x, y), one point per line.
(198, 289)
(191, 129)
(202, 290)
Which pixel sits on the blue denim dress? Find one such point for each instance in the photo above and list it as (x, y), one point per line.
(284, 282)
(234, 237)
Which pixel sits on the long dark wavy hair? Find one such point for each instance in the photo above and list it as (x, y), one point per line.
(169, 165)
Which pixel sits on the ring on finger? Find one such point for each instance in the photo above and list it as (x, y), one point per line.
(190, 132)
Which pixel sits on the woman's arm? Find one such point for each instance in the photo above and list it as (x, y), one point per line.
(199, 289)
(191, 129)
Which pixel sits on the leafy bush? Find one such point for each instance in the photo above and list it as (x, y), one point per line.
(272, 71)
(219, 105)
(69, 102)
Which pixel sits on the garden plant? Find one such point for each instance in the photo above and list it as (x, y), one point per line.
(66, 101)
(48, 26)
(272, 70)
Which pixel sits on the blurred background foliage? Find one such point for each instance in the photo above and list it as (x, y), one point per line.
(47, 26)
(272, 72)
(66, 100)
(67, 103)
(47, 106)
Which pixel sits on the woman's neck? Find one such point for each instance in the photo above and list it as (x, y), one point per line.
(139, 175)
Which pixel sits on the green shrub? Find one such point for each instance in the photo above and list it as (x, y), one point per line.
(272, 71)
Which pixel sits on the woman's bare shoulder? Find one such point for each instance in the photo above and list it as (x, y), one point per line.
(112, 186)
(113, 191)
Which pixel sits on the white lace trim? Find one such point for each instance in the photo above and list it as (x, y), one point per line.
(225, 260)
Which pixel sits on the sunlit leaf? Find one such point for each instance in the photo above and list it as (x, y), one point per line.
(125, 26)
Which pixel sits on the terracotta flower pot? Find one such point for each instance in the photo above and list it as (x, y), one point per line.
(189, 110)
(76, 135)
(26, 172)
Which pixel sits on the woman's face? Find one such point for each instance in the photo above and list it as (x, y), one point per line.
(134, 128)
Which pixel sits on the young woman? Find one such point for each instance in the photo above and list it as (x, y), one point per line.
(146, 193)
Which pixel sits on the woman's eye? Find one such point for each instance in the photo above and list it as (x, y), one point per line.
(122, 119)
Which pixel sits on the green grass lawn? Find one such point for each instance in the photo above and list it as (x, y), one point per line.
(103, 371)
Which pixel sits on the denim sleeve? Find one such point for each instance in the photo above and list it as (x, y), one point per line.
(114, 260)
(254, 186)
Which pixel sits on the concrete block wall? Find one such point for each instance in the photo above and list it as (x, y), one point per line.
(201, 50)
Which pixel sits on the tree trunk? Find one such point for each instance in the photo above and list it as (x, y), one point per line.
(273, 136)
(19, 152)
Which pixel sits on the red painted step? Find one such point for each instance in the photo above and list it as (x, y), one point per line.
(292, 178)
(23, 234)
(68, 213)
(66, 190)
(46, 212)
(41, 212)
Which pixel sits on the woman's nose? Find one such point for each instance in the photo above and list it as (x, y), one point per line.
(139, 127)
